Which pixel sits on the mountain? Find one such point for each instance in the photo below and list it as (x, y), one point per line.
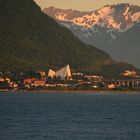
(112, 28)
(64, 14)
(30, 40)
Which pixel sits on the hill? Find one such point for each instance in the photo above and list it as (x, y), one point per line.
(30, 40)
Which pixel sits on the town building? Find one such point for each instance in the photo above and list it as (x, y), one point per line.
(39, 82)
(42, 74)
(28, 81)
(51, 73)
(129, 73)
(64, 73)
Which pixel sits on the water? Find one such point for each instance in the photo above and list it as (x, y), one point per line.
(69, 116)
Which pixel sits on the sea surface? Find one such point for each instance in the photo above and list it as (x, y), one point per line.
(69, 116)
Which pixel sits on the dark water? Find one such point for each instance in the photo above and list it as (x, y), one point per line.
(69, 116)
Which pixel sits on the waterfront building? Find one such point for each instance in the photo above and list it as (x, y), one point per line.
(111, 86)
(28, 81)
(39, 82)
(42, 74)
(13, 84)
(78, 74)
(51, 73)
(94, 78)
(2, 79)
(129, 73)
(64, 73)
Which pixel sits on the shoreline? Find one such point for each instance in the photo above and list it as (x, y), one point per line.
(71, 91)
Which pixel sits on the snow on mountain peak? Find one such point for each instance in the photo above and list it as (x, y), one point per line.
(111, 17)
(61, 16)
(117, 17)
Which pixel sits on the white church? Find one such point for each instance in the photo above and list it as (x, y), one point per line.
(63, 73)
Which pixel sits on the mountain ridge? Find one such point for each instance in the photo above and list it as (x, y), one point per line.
(106, 35)
(31, 40)
(130, 12)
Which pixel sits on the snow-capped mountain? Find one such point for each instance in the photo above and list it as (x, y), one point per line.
(64, 15)
(105, 28)
(117, 17)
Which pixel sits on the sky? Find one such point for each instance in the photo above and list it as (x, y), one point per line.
(82, 5)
